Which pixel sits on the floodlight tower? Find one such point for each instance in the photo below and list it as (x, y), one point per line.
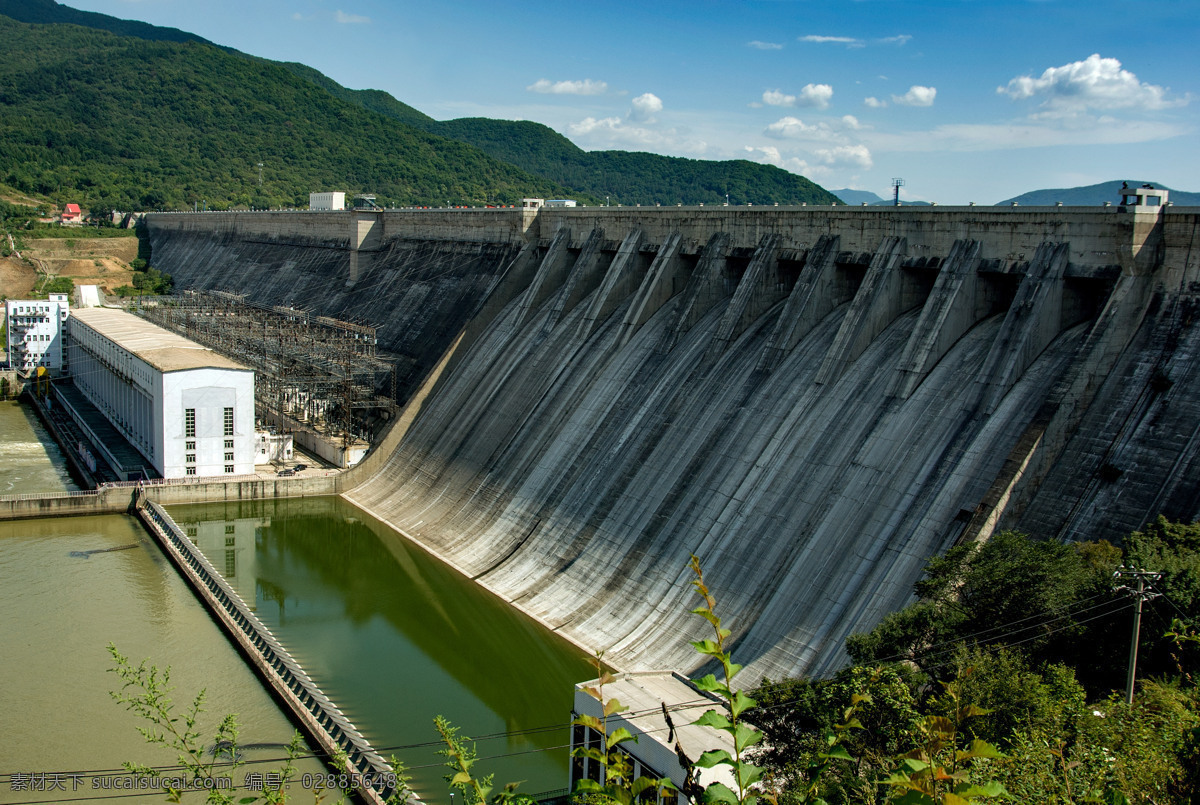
(896, 185)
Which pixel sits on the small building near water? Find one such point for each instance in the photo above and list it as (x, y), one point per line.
(651, 697)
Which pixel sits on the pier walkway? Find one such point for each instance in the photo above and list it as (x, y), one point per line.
(320, 717)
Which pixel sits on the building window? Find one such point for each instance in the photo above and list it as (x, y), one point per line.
(191, 532)
(229, 541)
(229, 528)
(189, 422)
(230, 563)
(229, 444)
(228, 421)
(190, 446)
(191, 470)
(229, 456)
(190, 458)
(229, 468)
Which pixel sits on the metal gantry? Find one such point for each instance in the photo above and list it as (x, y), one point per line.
(314, 369)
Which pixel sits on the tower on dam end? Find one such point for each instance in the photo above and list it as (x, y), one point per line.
(813, 400)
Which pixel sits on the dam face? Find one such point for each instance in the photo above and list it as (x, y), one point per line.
(812, 400)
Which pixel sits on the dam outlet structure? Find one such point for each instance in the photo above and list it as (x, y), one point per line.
(813, 400)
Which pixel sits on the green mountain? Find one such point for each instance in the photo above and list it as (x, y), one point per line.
(42, 12)
(1096, 194)
(157, 117)
(629, 177)
(128, 123)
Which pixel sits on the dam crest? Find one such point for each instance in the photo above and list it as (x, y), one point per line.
(813, 400)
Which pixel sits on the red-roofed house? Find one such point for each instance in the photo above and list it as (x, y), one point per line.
(72, 214)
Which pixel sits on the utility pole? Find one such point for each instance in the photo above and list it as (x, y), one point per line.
(1138, 586)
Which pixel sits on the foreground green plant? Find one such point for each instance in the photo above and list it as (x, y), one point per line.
(145, 690)
(745, 774)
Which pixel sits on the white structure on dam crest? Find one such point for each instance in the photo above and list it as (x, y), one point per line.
(186, 409)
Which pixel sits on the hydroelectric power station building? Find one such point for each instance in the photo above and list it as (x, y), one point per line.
(188, 410)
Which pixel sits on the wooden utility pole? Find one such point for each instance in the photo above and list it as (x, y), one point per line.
(1137, 584)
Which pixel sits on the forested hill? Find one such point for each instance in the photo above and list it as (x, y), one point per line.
(156, 117)
(630, 177)
(48, 11)
(128, 123)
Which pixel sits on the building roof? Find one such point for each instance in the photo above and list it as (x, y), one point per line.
(72, 208)
(162, 349)
(645, 693)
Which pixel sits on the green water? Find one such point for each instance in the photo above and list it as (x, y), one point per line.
(395, 637)
(30, 461)
(58, 612)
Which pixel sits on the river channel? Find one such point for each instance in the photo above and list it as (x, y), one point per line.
(391, 634)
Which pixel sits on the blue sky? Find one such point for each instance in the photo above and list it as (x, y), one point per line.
(966, 100)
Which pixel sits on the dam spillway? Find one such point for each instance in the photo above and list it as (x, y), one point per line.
(812, 400)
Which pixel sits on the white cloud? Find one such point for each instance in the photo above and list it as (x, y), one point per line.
(645, 107)
(874, 103)
(774, 97)
(814, 95)
(764, 45)
(350, 19)
(901, 39)
(591, 124)
(1095, 82)
(789, 128)
(858, 156)
(585, 87)
(839, 40)
(916, 96)
(793, 128)
(297, 16)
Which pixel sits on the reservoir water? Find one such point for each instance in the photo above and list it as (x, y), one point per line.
(396, 637)
(392, 635)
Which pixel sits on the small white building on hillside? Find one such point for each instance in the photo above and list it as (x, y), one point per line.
(35, 332)
(186, 409)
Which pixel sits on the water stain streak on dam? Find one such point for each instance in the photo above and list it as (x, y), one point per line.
(812, 400)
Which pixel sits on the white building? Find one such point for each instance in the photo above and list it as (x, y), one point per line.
(647, 695)
(35, 332)
(327, 201)
(532, 203)
(186, 409)
(560, 202)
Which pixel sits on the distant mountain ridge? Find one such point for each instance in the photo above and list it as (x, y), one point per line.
(1096, 194)
(856, 198)
(58, 134)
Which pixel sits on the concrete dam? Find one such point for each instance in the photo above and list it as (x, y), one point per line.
(813, 400)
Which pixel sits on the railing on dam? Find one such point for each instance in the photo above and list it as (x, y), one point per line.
(321, 718)
(84, 493)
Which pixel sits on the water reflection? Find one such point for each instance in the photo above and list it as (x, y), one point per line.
(395, 636)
